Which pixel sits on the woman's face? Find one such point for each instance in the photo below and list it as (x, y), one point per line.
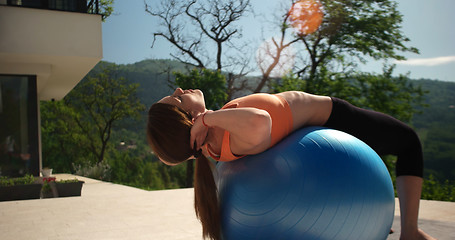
(191, 101)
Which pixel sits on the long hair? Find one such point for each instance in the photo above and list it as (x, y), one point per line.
(168, 134)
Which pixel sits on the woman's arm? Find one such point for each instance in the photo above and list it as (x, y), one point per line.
(249, 128)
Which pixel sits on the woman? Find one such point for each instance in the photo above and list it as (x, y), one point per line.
(181, 128)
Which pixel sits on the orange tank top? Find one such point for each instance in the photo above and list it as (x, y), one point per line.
(279, 111)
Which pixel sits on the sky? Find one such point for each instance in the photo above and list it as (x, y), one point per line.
(429, 24)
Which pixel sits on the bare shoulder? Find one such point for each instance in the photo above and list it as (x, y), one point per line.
(308, 109)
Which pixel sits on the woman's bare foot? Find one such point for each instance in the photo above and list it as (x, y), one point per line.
(418, 235)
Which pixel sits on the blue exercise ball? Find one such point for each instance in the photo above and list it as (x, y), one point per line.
(317, 183)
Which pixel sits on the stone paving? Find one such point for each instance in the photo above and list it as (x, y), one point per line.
(111, 211)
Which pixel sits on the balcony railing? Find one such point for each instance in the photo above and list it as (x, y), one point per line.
(82, 6)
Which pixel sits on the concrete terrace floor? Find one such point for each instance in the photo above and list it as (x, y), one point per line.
(111, 211)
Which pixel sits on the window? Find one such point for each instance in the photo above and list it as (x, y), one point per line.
(63, 5)
(19, 151)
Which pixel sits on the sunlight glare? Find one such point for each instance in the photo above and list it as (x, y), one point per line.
(306, 16)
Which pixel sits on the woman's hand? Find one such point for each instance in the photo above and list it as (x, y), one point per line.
(249, 129)
(198, 132)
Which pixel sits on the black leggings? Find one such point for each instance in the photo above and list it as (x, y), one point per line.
(385, 134)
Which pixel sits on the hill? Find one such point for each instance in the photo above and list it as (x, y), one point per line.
(436, 128)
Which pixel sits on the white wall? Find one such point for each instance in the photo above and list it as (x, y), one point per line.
(59, 47)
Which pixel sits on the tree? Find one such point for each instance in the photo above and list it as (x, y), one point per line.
(355, 29)
(351, 31)
(62, 142)
(103, 7)
(99, 103)
(396, 96)
(193, 27)
(211, 83)
(272, 56)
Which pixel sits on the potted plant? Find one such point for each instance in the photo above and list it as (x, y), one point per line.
(19, 188)
(69, 188)
(47, 172)
(48, 190)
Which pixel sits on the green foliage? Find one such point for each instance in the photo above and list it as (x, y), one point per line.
(63, 143)
(436, 128)
(396, 96)
(351, 31)
(153, 77)
(100, 102)
(105, 8)
(439, 147)
(356, 28)
(434, 189)
(211, 83)
(76, 131)
(46, 189)
(132, 170)
(151, 177)
(27, 179)
(100, 171)
(68, 181)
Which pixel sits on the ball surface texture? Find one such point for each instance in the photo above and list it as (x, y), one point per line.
(317, 183)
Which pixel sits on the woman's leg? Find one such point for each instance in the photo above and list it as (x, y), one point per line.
(409, 189)
(387, 135)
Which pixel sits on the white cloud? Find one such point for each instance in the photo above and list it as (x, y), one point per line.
(427, 61)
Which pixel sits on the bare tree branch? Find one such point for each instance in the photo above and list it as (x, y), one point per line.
(169, 16)
(203, 33)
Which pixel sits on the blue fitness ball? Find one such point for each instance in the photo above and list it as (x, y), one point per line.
(317, 183)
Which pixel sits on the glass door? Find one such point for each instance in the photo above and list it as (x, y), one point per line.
(19, 152)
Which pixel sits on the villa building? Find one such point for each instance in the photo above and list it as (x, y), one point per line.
(46, 48)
